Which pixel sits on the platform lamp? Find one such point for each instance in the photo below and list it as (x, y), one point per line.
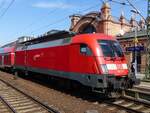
(135, 43)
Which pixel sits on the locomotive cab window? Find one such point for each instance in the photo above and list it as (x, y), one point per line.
(111, 48)
(85, 50)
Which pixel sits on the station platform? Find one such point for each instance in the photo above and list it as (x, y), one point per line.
(143, 86)
(140, 76)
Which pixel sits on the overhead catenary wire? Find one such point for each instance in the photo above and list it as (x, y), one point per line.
(2, 4)
(82, 11)
(138, 1)
(57, 21)
(102, 1)
(121, 3)
(67, 16)
(62, 19)
(117, 2)
(5, 11)
(134, 7)
(36, 22)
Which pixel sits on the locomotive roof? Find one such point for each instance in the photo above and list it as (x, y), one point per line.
(9, 45)
(95, 35)
(51, 35)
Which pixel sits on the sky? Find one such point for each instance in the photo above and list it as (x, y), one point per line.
(35, 17)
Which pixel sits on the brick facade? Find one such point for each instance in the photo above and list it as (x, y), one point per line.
(102, 21)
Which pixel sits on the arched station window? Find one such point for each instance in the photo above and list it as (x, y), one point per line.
(88, 29)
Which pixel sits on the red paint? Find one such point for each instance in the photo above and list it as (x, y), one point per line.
(8, 56)
(68, 58)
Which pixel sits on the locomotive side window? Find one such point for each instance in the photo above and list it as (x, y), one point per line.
(84, 49)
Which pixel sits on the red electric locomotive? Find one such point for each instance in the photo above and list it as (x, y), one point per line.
(94, 60)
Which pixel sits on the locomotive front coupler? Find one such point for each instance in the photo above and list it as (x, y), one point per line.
(121, 83)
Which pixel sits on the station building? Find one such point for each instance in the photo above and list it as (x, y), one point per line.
(127, 42)
(103, 22)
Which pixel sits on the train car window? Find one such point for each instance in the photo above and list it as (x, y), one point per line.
(84, 49)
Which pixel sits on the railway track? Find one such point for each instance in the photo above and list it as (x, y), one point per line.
(130, 101)
(134, 100)
(130, 105)
(12, 100)
(4, 108)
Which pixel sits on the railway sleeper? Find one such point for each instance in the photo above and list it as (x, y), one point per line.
(33, 110)
(21, 101)
(23, 104)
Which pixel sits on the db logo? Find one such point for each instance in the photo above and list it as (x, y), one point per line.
(119, 66)
(35, 57)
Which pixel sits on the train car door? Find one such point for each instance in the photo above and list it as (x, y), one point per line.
(20, 57)
(0, 60)
(25, 55)
(81, 59)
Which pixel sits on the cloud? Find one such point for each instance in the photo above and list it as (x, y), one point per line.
(52, 5)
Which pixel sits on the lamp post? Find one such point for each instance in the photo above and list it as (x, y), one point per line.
(135, 44)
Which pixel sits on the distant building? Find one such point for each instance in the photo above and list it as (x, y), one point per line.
(103, 22)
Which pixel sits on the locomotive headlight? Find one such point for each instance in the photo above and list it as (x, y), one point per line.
(104, 68)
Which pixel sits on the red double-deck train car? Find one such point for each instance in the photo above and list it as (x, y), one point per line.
(94, 60)
(7, 56)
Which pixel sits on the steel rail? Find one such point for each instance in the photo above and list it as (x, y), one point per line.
(48, 108)
(8, 105)
(124, 108)
(126, 100)
(137, 95)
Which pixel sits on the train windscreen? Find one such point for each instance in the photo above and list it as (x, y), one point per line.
(111, 48)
